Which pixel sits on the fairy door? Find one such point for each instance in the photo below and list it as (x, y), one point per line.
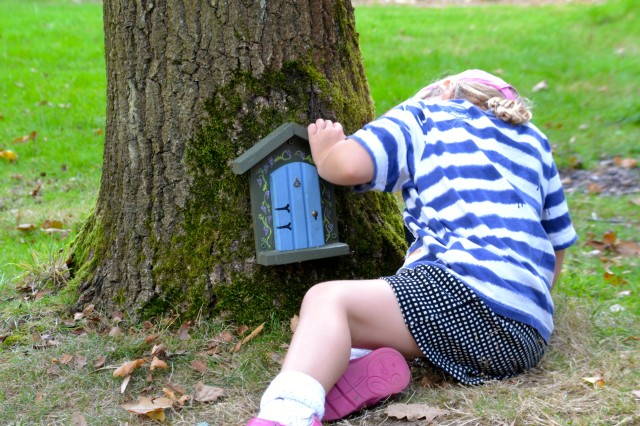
(296, 207)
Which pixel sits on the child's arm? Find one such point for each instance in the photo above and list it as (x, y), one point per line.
(558, 268)
(339, 160)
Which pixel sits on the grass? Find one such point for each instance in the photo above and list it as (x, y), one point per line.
(52, 82)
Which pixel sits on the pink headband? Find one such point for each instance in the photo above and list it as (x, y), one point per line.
(483, 77)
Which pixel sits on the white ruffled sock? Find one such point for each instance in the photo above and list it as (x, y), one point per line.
(293, 399)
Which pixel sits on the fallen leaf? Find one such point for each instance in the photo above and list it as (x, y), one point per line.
(128, 367)
(26, 227)
(596, 381)
(80, 361)
(205, 393)
(52, 224)
(609, 238)
(25, 138)
(626, 163)
(224, 337)
(100, 362)
(199, 365)
(152, 408)
(150, 338)
(413, 412)
(628, 249)
(115, 332)
(88, 310)
(10, 156)
(65, 359)
(158, 350)
(242, 329)
(184, 399)
(594, 188)
(170, 393)
(158, 363)
(636, 394)
(183, 333)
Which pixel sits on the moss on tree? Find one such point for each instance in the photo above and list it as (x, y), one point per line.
(217, 226)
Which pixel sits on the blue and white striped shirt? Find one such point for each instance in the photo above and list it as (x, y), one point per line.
(483, 199)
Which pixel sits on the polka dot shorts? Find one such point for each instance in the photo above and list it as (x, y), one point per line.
(458, 332)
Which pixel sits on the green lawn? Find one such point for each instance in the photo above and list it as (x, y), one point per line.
(52, 82)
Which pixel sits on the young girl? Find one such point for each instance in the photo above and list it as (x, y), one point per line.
(486, 208)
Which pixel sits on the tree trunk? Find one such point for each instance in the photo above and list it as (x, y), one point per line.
(192, 84)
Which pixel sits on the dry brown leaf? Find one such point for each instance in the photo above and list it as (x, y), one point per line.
(128, 367)
(594, 188)
(184, 399)
(626, 163)
(10, 156)
(169, 393)
(628, 249)
(183, 333)
(609, 238)
(115, 332)
(65, 359)
(158, 350)
(26, 227)
(152, 408)
(596, 381)
(205, 393)
(242, 329)
(150, 338)
(158, 363)
(52, 223)
(80, 361)
(100, 362)
(199, 365)
(414, 412)
(224, 337)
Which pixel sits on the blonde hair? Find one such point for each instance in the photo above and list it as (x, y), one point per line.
(513, 111)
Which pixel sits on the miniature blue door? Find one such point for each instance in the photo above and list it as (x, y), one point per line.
(296, 207)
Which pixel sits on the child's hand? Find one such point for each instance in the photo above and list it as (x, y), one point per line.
(325, 132)
(339, 160)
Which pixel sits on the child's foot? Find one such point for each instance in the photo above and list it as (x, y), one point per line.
(367, 381)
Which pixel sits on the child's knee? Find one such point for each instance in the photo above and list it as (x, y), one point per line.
(326, 292)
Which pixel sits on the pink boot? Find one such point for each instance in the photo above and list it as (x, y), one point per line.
(260, 422)
(367, 381)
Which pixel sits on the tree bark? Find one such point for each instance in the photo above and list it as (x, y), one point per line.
(191, 84)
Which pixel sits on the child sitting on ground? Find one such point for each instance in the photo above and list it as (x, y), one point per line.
(486, 208)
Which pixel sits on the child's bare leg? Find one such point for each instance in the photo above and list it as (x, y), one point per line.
(338, 315)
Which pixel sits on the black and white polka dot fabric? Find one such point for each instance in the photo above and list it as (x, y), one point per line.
(457, 331)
